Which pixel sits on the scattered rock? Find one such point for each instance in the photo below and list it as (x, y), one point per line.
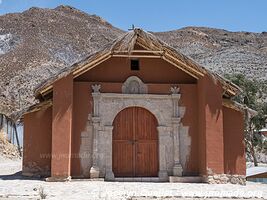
(7, 149)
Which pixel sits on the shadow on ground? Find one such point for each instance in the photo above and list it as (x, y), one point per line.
(18, 176)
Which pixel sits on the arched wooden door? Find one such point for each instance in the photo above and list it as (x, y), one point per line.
(135, 143)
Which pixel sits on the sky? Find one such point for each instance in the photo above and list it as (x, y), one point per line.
(163, 15)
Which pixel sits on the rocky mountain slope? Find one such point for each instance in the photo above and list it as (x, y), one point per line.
(38, 43)
(222, 51)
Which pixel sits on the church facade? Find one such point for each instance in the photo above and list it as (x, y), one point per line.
(136, 109)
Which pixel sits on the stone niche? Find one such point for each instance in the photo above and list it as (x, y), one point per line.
(134, 93)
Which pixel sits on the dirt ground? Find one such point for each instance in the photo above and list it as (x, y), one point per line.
(14, 186)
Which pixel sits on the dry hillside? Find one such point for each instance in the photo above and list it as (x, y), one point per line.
(38, 43)
(222, 51)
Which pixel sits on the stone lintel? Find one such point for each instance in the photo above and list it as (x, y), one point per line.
(135, 96)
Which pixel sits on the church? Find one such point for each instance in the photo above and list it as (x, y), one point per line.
(136, 110)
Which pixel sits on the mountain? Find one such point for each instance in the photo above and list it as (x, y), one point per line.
(38, 43)
(222, 51)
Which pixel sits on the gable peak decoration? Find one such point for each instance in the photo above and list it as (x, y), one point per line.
(134, 85)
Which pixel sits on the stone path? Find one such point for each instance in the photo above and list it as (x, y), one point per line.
(33, 189)
(14, 186)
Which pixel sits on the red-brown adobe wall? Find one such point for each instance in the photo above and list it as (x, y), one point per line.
(234, 149)
(37, 142)
(62, 126)
(211, 146)
(82, 106)
(151, 71)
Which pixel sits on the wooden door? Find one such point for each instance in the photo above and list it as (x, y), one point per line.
(135, 143)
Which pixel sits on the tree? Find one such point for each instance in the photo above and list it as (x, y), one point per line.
(254, 96)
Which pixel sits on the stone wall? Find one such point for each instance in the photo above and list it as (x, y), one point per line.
(225, 178)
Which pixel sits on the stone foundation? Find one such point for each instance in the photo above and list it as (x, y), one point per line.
(58, 179)
(225, 178)
(33, 170)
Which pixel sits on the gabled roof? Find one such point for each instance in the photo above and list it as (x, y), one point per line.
(124, 46)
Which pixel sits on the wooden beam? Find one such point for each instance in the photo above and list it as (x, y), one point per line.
(79, 71)
(183, 64)
(186, 71)
(104, 56)
(142, 45)
(46, 90)
(90, 66)
(39, 106)
(139, 51)
(136, 56)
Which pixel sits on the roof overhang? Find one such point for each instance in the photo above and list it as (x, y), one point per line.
(153, 48)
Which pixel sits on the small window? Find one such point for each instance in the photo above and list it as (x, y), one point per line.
(135, 65)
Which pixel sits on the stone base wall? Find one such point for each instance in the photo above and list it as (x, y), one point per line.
(33, 170)
(225, 178)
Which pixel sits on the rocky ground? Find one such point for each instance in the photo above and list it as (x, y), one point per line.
(14, 186)
(7, 149)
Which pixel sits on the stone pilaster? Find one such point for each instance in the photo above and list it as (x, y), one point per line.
(177, 168)
(163, 175)
(94, 171)
(109, 175)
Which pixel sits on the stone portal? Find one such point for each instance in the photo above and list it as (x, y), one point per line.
(166, 110)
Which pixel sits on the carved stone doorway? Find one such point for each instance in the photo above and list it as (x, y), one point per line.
(166, 110)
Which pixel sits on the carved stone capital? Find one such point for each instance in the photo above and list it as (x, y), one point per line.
(96, 88)
(175, 90)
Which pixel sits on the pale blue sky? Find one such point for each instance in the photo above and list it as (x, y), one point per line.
(162, 15)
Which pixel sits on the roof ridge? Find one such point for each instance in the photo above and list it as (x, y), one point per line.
(126, 43)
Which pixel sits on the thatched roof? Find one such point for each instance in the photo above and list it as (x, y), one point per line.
(124, 46)
(239, 107)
